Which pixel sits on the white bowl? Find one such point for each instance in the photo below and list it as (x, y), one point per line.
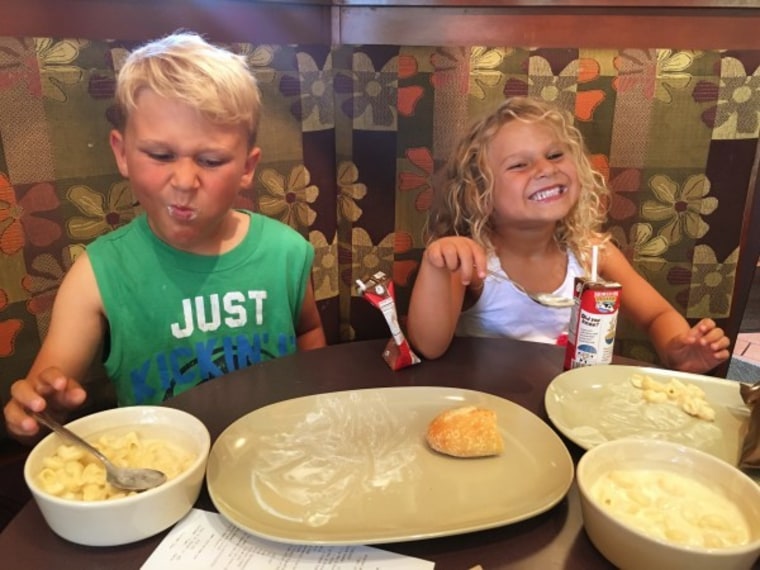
(631, 549)
(127, 519)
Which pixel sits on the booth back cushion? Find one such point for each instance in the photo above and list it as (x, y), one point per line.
(353, 138)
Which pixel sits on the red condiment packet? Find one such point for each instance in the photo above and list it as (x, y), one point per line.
(378, 290)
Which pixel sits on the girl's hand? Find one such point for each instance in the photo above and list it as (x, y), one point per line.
(700, 349)
(50, 389)
(458, 254)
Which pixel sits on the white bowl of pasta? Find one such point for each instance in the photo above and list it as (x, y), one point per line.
(69, 485)
(655, 504)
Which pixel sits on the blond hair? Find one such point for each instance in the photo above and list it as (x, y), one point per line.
(184, 67)
(465, 202)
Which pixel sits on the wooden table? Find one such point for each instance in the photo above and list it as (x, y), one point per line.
(518, 371)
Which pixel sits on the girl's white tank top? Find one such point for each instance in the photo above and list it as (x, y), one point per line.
(503, 310)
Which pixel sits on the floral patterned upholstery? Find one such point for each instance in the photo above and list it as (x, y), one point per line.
(353, 138)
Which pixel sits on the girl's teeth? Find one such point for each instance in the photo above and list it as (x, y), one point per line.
(544, 194)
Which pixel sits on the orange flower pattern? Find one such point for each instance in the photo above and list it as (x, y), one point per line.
(419, 180)
(9, 329)
(11, 232)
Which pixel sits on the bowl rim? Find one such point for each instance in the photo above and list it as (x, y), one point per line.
(198, 462)
(726, 551)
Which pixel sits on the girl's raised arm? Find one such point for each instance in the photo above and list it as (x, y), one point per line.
(449, 266)
(679, 346)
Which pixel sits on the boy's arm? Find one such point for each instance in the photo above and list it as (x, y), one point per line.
(76, 330)
(697, 349)
(309, 327)
(447, 268)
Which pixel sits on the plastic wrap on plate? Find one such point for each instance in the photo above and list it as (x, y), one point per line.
(378, 290)
(750, 456)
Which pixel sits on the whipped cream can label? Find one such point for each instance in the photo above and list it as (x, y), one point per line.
(593, 323)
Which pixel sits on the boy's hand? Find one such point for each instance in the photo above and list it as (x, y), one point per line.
(51, 388)
(699, 350)
(458, 254)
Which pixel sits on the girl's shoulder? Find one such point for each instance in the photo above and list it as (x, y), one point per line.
(582, 252)
(613, 264)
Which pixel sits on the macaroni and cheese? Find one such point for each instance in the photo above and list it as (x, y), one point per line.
(671, 507)
(72, 473)
(690, 398)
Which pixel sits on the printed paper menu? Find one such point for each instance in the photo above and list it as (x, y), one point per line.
(206, 541)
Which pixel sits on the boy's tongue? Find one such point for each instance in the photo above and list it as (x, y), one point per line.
(184, 213)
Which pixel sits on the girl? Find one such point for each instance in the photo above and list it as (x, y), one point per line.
(520, 211)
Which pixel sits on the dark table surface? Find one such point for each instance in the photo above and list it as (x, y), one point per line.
(517, 371)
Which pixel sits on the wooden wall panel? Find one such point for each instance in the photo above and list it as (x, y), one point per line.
(218, 20)
(551, 27)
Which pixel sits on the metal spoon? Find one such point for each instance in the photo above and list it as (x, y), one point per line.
(545, 299)
(122, 477)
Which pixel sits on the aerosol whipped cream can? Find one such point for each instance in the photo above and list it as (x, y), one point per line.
(593, 323)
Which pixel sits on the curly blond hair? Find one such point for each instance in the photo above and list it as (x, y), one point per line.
(465, 201)
(185, 67)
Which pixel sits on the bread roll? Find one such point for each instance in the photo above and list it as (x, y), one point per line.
(467, 431)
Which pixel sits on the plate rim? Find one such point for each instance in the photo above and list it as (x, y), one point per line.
(550, 404)
(564, 462)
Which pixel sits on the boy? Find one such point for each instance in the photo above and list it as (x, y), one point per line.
(193, 288)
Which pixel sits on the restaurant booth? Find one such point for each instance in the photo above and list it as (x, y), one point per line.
(363, 102)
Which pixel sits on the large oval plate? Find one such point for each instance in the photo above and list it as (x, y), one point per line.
(353, 467)
(594, 404)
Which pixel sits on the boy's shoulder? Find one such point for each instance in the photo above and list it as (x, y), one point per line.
(272, 239)
(270, 227)
(134, 228)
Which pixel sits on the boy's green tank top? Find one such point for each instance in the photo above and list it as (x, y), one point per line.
(177, 319)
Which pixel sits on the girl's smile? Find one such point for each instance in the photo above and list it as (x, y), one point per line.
(548, 194)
